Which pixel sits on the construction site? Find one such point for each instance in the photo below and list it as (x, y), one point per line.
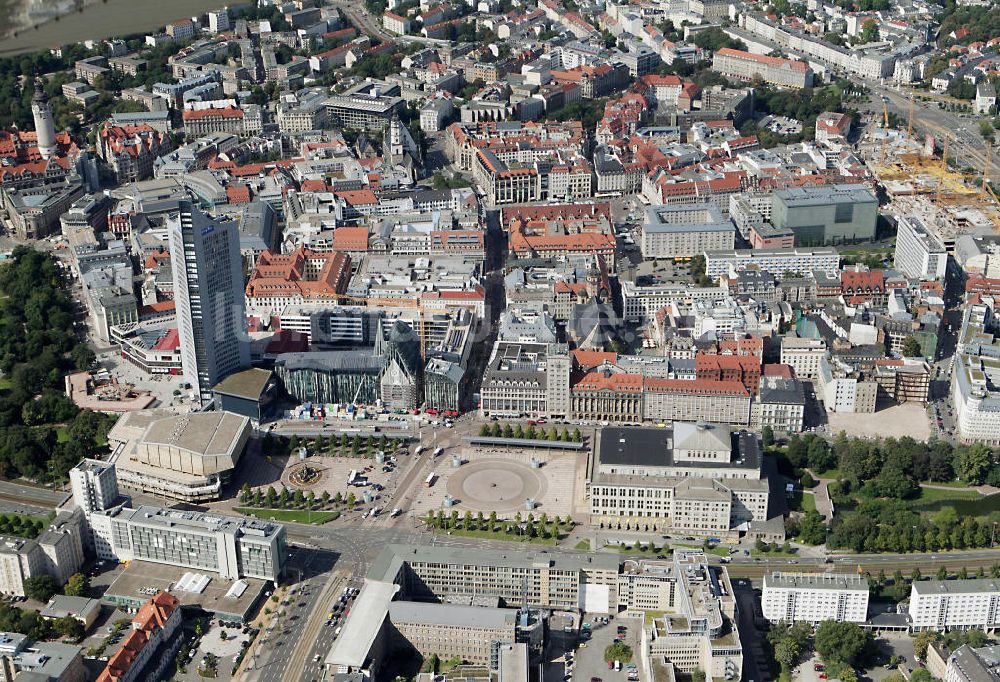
(919, 180)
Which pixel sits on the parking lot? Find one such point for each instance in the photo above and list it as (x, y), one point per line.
(589, 661)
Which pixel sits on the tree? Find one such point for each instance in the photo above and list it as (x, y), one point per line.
(942, 573)
(840, 642)
(78, 585)
(786, 652)
(869, 31)
(987, 131)
(69, 627)
(697, 675)
(576, 436)
(972, 463)
(924, 639)
(767, 436)
(911, 348)
(41, 588)
(812, 530)
(619, 651)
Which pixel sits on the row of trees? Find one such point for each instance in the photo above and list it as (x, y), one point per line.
(334, 445)
(21, 526)
(495, 430)
(890, 526)
(530, 526)
(285, 499)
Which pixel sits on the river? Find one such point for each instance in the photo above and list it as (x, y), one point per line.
(104, 19)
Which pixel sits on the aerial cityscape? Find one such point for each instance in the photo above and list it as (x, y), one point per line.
(499, 341)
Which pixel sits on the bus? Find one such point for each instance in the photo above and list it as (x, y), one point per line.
(431, 477)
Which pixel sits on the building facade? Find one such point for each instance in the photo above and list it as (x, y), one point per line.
(208, 290)
(813, 598)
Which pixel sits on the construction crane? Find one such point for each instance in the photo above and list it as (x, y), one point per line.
(986, 168)
(909, 121)
(885, 138)
(398, 303)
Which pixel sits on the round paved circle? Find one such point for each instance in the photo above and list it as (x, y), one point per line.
(495, 485)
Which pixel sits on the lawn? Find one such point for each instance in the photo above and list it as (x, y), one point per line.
(290, 515)
(829, 473)
(928, 495)
(62, 435)
(583, 545)
(637, 549)
(809, 502)
(965, 502)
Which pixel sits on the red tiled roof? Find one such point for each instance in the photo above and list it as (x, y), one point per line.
(228, 112)
(170, 341)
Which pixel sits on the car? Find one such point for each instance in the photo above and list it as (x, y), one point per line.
(583, 645)
(822, 676)
(611, 665)
(819, 667)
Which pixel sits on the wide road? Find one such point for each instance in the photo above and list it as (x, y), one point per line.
(43, 499)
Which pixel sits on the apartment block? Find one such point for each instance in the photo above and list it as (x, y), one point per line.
(919, 252)
(960, 604)
(813, 598)
(453, 630)
(977, 372)
(776, 261)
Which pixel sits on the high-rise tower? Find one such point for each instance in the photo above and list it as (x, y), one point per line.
(209, 295)
(45, 127)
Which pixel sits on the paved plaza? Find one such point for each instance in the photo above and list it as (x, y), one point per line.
(487, 482)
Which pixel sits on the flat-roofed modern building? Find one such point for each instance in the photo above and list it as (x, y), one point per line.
(698, 629)
(976, 376)
(453, 630)
(826, 215)
(803, 355)
(545, 580)
(776, 261)
(685, 230)
(232, 547)
(184, 457)
(364, 635)
(367, 106)
(698, 478)
(919, 252)
(940, 605)
(813, 598)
